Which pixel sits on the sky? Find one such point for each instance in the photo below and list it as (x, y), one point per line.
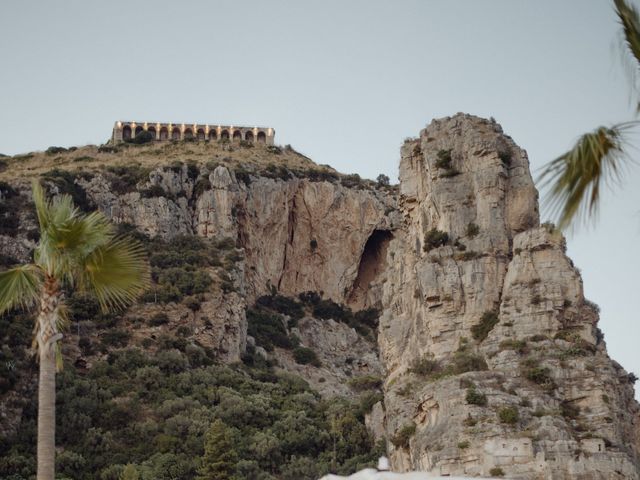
(344, 83)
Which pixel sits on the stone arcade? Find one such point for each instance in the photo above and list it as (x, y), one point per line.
(123, 131)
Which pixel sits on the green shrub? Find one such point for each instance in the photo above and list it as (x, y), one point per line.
(444, 159)
(328, 309)
(435, 238)
(402, 437)
(281, 304)
(304, 356)
(463, 445)
(487, 322)
(83, 307)
(425, 366)
(155, 191)
(125, 178)
(65, 182)
(505, 157)
(443, 162)
(464, 361)
(55, 150)
(202, 185)
(365, 382)
(351, 181)
(108, 149)
(115, 338)
(475, 397)
(496, 472)
(192, 303)
(267, 328)
(367, 401)
(158, 319)
(310, 298)
(508, 415)
(538, 374)
(472, 230)
(369, 317)
(184, 281)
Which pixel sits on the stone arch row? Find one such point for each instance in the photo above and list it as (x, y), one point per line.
(176, 132)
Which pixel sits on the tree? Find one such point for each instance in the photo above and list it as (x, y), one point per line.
(75, 251)
(575, 178)
(130, 472)
(383, 180)
(220, 457)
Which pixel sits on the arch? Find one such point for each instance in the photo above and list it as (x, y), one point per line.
(201, 136)
(139, 129)
(248, 136)
(237, 135)
(152, 131)
(224, 135)
(175, 133)
(213, 134)
(188, 134)
(126, 132)
(262, 137)
(164, 133)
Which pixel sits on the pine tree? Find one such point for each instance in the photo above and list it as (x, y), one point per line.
(220, 457)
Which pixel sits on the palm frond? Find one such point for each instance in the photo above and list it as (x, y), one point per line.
(575, 178)
(117, 273)
(630, 21)
(41, 203)
(20, 287)
(67, 235)
(630, 43)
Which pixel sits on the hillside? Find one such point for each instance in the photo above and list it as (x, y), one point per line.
(324, 319)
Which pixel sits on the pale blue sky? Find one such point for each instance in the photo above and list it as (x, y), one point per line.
(343, 82)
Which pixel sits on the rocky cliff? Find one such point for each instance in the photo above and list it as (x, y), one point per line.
(491, 357)
(494, 362)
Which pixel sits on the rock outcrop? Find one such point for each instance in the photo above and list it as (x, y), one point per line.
(298, 235)
(494, 360)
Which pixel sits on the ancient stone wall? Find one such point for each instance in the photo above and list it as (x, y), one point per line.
(123, 131)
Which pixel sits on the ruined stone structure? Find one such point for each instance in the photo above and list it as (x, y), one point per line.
(123, 131)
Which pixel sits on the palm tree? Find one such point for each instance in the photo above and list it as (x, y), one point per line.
(74, 251)
(575, 178)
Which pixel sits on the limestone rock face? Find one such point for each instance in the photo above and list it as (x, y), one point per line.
(302, 235)
(492, 353)
(298, 235)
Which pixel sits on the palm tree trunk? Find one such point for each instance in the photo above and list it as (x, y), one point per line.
(47, 337)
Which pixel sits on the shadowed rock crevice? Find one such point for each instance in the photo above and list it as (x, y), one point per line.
(372, 264)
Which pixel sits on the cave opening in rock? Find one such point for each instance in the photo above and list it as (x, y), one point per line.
(372, 263)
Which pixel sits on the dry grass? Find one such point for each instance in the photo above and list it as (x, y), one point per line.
(89, 158)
